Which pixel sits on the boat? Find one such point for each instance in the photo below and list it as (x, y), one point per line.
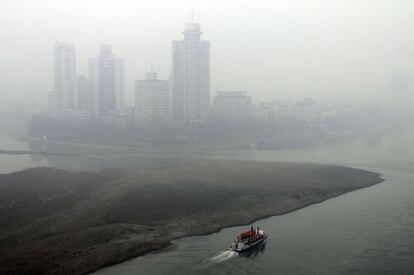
(248, 239)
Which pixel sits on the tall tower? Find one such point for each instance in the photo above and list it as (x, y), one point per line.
(63, 96)
(190, 79)
(106, 72)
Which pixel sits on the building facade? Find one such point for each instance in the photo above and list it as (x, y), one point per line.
(152, 99)
(231, 105)
(106, 73)
(85, 94)
(190, 78)
(279, 109)
(63, 96)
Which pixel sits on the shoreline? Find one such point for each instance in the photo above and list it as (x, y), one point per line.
(28, 152)
(170, 242)
(109, 217)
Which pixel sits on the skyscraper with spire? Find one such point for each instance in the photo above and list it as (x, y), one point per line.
(190, 78)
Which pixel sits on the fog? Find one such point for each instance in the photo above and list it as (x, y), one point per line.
(342, 51)
(128, 126)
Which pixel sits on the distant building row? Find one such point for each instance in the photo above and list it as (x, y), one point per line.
(186, 98)
(98, 94)
(303, 110)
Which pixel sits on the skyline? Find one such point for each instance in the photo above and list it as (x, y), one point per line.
(341, 40)
(147, 137)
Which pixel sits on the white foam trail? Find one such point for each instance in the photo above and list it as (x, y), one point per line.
(222, 256)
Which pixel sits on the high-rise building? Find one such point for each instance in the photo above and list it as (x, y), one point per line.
(63, 96)
(190, 79)
(85, 95)
(231, 105)
(152, 99)
(106, 72)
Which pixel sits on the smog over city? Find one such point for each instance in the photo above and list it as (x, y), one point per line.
(210, 137)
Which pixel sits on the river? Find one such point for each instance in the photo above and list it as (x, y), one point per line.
(362, 232)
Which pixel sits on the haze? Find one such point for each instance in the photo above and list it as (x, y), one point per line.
(207, 136)
(332, 51)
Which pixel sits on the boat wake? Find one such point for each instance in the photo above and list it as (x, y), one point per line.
(222, 256)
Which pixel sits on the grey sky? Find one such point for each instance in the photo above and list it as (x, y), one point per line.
(328, 49)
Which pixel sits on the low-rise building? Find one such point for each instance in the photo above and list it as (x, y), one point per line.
(231, 105)
(152, 99)
(279, 109)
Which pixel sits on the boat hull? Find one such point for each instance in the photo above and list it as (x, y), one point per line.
(241, 247)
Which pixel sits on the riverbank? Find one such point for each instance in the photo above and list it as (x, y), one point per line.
(60, 222)
(27, 152)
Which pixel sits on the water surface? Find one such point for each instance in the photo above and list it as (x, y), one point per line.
(367, 231)
(363, 232)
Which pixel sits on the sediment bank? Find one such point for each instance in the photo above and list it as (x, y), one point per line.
(60, 222)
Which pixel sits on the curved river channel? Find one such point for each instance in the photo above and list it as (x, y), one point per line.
(367, 231)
